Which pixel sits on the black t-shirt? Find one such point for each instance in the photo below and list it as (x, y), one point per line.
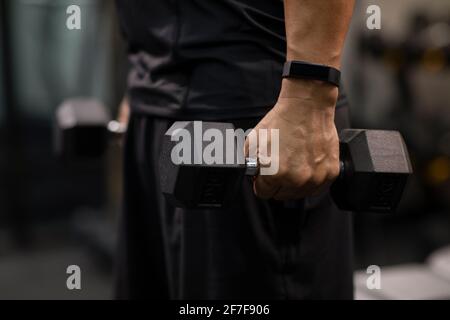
(204, 59)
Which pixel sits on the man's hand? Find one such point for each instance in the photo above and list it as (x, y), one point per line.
(124, 112)
(308, 142)
(308, 157)
(121, 123)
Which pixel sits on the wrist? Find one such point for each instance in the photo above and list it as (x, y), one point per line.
(331, 59)
(305, 112)
(320, 93)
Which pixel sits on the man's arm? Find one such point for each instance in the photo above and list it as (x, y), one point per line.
(316, 29)
(304, 113)
(124, 112)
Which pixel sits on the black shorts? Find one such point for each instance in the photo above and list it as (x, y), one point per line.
(254, 250)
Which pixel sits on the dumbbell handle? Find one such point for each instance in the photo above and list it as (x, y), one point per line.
(117, 128)
(252, 167)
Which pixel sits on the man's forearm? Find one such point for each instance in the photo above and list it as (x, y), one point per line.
(315, 32)
(304, 112)
(316, 29)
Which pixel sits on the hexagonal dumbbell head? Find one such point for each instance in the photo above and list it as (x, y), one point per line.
(186, 179)
(80, 128)
(376, 168)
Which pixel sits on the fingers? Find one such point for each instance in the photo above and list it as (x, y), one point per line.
(289, 193)
(307, 190)
(291, 187)
(264, 188)
(300, 164)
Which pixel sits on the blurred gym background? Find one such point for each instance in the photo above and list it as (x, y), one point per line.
(55, 214)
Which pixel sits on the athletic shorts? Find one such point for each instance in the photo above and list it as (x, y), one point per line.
(256, 249)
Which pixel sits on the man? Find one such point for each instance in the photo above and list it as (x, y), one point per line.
(223, 60)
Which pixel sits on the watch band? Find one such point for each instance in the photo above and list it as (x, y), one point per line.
(306, 70)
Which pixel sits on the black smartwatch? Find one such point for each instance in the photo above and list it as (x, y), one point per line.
(306, 70)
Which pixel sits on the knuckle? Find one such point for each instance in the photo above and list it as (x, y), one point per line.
(333, 172)
(317, 180)
(301, 178)
(307, 178)
(282, 174)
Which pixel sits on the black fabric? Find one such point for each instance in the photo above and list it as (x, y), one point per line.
(256, 249)
(216, 60)
(203, 59)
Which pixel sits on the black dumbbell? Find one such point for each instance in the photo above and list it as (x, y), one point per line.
(375, 166)
(82, 128)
